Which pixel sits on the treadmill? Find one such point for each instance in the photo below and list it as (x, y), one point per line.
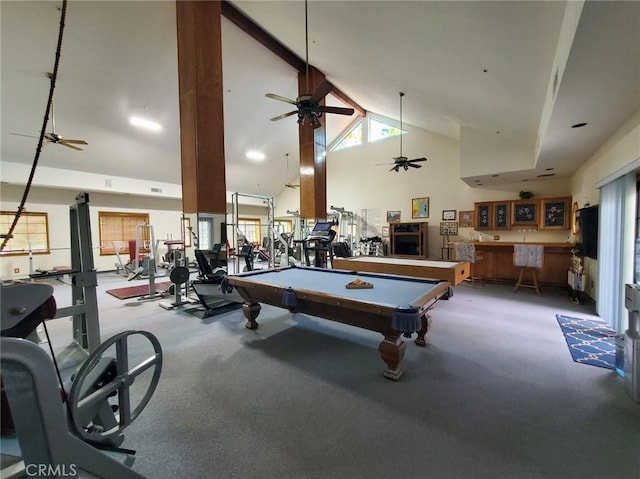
(319, 242)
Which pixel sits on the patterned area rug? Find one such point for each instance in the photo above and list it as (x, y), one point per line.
(590, 341)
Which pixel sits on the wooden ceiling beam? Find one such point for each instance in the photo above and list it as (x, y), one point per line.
(231, 13)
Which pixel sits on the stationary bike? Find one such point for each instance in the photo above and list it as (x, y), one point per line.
(98, 406)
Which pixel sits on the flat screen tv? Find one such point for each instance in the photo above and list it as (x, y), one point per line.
(587, 236)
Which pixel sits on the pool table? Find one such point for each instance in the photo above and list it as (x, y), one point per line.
(453, 271)
(396, 306)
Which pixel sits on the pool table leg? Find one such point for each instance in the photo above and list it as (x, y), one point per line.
(392, 350)
(426, 324)
(251, 311)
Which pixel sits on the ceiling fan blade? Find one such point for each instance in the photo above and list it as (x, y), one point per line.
(396, 168)
(337, 110)
(323, 90)
(73, 147)
(413, 165)
(417, 159)
(276, 118)
(281, 98)
(77, 142)
(28, 136)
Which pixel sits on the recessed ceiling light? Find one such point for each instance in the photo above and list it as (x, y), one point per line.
(255, 155)
(526, 179)
(546, 174)
(477, 181)
(144, 123)
(494, 176)
(549, 169)
(579, 125)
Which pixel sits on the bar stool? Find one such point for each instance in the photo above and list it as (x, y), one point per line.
(528, 257)
(467, 252)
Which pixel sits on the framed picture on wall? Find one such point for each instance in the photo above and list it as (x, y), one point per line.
(448, 215)
(420, 207)
(466, 219)
(393, 217)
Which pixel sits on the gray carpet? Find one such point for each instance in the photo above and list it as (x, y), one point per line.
(495, 395)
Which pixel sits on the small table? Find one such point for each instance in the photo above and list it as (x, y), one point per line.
(395, 306)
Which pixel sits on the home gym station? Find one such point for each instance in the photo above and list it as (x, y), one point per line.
(70, 435)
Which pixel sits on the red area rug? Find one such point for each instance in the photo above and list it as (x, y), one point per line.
(136, 291)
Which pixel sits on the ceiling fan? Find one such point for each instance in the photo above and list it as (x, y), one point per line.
(308, 104)
(402, 161)
(289, 185)
(53, 137)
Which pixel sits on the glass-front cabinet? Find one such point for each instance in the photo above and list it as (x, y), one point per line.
(484, 216)
(493, 215)
(502, 215)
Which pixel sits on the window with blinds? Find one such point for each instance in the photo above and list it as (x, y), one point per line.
(117, 229)
(30, 234)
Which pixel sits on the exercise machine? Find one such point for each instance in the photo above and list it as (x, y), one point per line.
(346, 226)
(632, 342)
(319, 242)
(246, 252)
(84, 280)
(211, 288)
(68, 433)
(268, 255)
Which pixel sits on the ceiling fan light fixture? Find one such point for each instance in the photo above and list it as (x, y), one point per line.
(315, 123)
(145, 124)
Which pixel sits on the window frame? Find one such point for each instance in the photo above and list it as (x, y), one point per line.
(106, 248)
(25, 214)
(258, 229)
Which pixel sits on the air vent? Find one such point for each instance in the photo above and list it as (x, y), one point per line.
(156, 190)
(546, 174)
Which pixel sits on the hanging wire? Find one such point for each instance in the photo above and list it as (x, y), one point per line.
(306, 36)
(401, 95)
(52, 77)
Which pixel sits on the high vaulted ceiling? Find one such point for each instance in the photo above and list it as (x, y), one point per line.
(478, 64)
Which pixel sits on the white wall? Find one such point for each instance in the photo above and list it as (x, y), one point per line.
(355, 181)
(615, 155)
(618, 152)
(164, 215)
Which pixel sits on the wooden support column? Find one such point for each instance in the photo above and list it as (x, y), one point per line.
(313, 147)
(201, 107)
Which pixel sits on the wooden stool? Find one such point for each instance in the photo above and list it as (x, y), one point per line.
(528, 257)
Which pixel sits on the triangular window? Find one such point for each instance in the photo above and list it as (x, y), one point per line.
(379, 130)
(352, 138)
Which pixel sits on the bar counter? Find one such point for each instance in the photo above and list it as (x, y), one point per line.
(495, 261)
